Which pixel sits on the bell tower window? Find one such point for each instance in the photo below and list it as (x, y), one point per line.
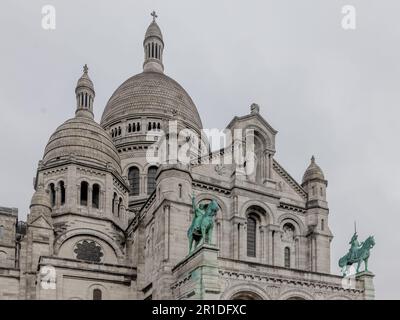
(84, 193)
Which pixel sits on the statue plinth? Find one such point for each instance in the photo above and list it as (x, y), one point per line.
(366, 277)
(197, 275)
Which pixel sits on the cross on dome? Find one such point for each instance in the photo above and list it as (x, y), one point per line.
(154, 15)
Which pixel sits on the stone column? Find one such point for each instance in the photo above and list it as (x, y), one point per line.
(297, 253)
(78, 194)
(89, 198)
(270, 166)
(235, 240)
(264, 244)
(273, 246)
(143, 184)
(167, 209)
(242, 241)
(58, 196)
(102, 202)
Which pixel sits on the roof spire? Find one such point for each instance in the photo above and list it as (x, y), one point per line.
(153, 47)
(313, 159)
(84, 95)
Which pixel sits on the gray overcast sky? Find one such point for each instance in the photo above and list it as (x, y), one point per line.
(329, 92)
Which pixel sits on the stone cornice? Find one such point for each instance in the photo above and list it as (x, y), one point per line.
(289, 179)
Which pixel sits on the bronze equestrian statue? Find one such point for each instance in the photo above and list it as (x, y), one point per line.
(202, 223)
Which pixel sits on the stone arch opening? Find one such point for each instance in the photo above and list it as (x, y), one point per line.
(246, 295)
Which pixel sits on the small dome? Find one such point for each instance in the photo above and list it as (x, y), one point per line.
(85, 140)
(40, 198)
(313, 172)
(153, 31)
(84, 81)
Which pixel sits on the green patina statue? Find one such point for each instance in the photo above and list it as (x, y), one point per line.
(202, 224)
(358, 252)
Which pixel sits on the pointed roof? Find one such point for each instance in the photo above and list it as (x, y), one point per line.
(313, 172)
(153, 31)
(84, 81)
(41, 198)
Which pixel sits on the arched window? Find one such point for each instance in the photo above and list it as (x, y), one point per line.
(251, 236)
(96, 196)
(149, 126)
(114, 203)
(97, 294)
(84, 193)
(154, 125)
(180, 190)
(158, 126)
(134, 181)
(61, 185)
(138, 126)
(322, 224)
(129, 127)
(151, 179)
(52, 190)
(134, 127)
(119, 131)
(119, 207)
(287, 257)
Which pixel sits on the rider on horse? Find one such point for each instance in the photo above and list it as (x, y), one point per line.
(355, 246)
(198, 216)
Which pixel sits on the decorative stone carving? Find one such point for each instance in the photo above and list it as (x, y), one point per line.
(220, 169)
(88, 250)
(288, 233)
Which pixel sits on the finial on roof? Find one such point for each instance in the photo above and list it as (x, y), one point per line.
(85, 68)
(153, 45)
(154, 15)
(313, 159)
(254, 108)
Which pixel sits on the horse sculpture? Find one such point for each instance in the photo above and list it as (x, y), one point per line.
(357, 254)
(202, 224)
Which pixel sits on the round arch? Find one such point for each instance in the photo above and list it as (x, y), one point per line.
(59, 241)
(338, 297)
(296, 294)
(103, 289)
(125, 169)
(297, 223)
(261, 132)
(246, 291)
(269, 217)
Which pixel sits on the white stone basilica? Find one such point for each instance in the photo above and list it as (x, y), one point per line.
(104, 223)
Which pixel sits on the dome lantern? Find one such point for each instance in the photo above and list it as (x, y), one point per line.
(153, 45)
(84, 95)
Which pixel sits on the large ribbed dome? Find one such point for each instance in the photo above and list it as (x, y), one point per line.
(85, 140)
(151, 94)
